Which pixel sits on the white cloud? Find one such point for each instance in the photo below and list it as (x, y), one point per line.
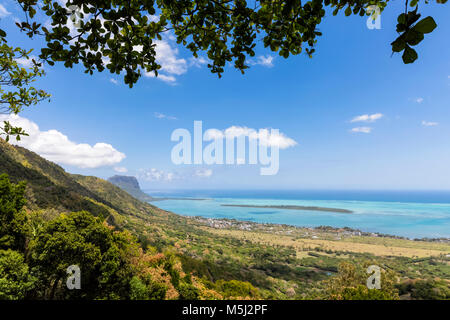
(27, 63)
(153, 18)
(159, 115)
(362, 129)
(203, 173)
(429, 124)
(198, 62)
(165, 78)
(418, 100)
(3, 11)
(170, 176)
(367, 117)
(212, 134)
(265, 136)
(171, 64)
(266, 61)
(154, 174)
(55, 146)
(274, 140)
(162, 77)
(120, 169)
(114, 81)
(166, 55)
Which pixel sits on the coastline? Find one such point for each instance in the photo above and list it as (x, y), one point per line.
(289, 229)
(409, 220)
(245, 225)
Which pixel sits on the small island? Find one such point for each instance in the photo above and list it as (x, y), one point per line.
(289, 208)
(170, 198)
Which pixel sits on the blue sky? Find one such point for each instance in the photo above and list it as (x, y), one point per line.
(311, 101)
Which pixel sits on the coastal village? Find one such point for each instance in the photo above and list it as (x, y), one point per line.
(322, 232)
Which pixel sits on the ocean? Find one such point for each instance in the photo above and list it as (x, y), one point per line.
(411, 214)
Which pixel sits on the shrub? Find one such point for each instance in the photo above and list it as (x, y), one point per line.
(15, 279)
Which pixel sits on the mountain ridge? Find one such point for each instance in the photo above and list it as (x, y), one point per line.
(131, 185)
(49, 186)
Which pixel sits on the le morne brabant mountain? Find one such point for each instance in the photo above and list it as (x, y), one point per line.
(149, 253)
(130, 185)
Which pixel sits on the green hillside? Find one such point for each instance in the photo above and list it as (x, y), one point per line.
(226, 258)
(48, 185)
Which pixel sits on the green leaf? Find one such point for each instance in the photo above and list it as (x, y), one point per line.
(401, 27)
(414, 37)
(401, 18)
(412, 17)
(399, 44)
(410, 55)
(425, 25)
(348, 11)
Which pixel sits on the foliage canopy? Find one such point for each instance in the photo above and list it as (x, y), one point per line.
(121, 35)
(16, 90)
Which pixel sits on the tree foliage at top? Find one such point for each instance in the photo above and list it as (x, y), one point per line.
(16, 89)
(120, 35)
